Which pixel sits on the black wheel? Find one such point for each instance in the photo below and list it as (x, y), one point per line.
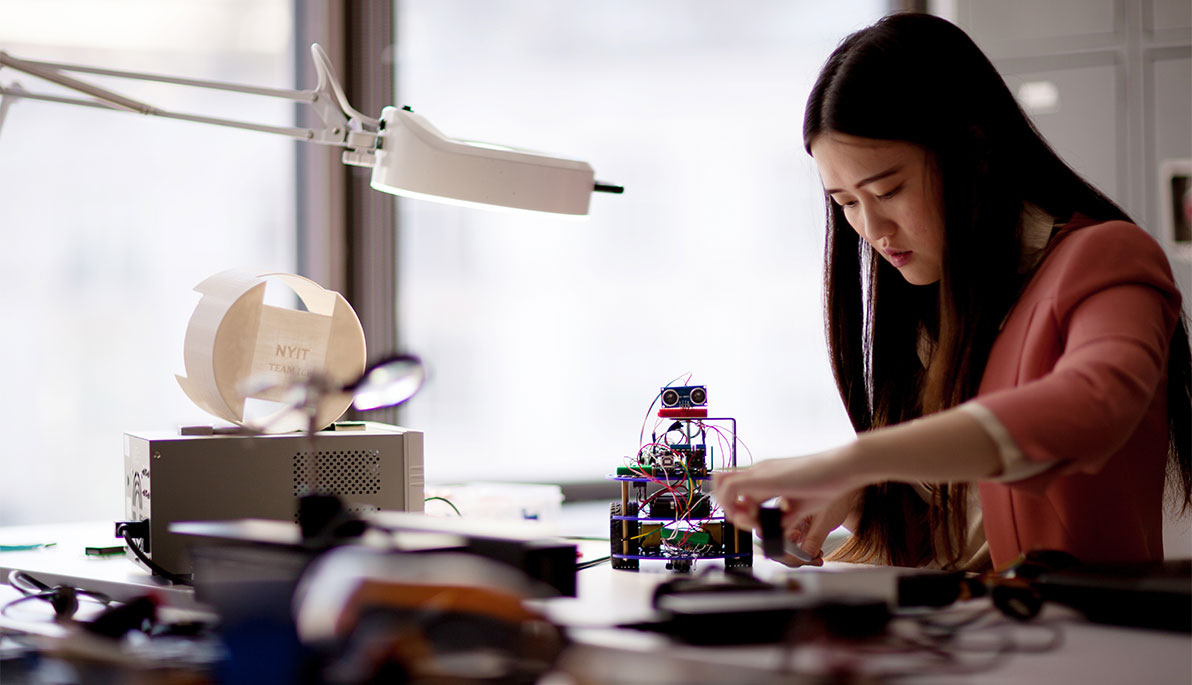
(679, 565)
(616, 537)
(744, 545)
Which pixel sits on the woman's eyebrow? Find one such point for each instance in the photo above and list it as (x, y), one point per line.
(865, 181)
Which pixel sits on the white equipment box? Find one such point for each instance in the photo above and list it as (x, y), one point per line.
(170, 477)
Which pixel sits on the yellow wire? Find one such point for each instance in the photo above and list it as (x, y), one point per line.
(690, 485)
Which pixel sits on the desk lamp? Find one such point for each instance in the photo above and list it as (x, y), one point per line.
(408, 155)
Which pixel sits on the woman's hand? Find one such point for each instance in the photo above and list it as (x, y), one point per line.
(810, 532)
(813, 487)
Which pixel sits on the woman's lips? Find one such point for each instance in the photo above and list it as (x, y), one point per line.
(898, 259)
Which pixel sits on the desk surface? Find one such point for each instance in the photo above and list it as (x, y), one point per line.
(1087, 653)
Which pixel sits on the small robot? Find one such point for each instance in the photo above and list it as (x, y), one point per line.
(666, 511)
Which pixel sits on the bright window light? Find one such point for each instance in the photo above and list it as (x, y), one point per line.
(102, 251)
(546, 340)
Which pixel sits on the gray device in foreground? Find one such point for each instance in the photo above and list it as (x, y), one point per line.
(169, 477)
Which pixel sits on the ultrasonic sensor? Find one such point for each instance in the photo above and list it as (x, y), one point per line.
(683, 399)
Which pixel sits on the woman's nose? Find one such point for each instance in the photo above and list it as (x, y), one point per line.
(876, 224)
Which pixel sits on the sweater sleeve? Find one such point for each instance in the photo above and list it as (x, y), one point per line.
(1113, 312)
(1015, 465)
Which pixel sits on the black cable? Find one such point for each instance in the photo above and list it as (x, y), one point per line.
(122, 532)
(64, 598)
(942, 643)
(24, 598)
(26, 584)
(592, 563)
(947, 629)
(30, 586)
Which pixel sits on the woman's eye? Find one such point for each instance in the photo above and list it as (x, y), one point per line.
(847, 204)
(887, 196)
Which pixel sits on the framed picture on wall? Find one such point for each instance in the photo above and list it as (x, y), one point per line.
(1175, 201)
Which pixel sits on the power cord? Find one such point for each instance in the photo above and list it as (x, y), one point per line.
(64, 598)
(592, 562)
(116, 618)
(138, 531)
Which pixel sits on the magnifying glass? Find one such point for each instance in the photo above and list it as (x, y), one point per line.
(387, 383)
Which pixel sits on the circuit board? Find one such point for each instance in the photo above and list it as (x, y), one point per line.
(666, 512)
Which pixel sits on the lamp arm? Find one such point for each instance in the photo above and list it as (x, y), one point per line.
(343, 126)
(15, 91)
(50, 69)
(4, 104)
(415, 160)
(53, 75)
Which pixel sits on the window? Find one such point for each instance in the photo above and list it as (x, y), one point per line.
(109, 221)
(547, 339)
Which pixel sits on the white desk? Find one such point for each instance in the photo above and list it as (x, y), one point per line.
(1089, 653)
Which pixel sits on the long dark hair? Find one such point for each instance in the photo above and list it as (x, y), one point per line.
(920, 79)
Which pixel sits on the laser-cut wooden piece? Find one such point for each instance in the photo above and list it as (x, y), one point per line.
(235, 340)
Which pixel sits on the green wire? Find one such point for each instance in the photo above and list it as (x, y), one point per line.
(26, 548)
(444, 499)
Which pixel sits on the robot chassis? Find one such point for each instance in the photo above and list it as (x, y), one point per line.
(665, 512)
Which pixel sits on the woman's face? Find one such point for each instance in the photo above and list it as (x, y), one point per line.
(890, 193)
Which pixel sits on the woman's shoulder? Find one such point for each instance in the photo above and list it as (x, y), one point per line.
(1101, 253)
(1081, 233)
(1087, 229)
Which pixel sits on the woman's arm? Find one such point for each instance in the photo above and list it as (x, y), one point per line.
(948, 446)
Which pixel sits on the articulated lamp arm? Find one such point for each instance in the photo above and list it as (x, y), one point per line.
(326, 98)
(407, 154)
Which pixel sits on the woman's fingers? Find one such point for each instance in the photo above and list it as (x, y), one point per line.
(795, 516)
(736, 518)
(796, 532)
(795, 535)
(808, 486)
(742, 512)
(740, 497)
(817, 532)
(819, 526)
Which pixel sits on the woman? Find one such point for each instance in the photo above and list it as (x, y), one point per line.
(991, 317)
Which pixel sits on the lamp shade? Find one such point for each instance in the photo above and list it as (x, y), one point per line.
(415, 160)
